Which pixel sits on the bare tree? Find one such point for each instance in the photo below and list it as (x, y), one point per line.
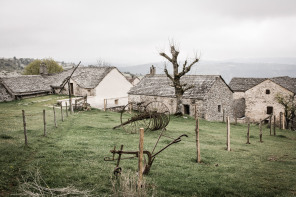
(176, 77)
(289, 106)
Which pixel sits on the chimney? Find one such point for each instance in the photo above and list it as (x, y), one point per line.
(152, 70)
(43, 69)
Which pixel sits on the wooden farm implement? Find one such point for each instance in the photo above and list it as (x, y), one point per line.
(153, 116)
(148, 156)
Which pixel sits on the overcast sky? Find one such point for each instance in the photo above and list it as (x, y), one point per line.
(134, 31)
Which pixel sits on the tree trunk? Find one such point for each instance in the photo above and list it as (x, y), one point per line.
(179, 105)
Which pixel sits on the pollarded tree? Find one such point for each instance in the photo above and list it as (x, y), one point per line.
(34, 67)
(176, 76)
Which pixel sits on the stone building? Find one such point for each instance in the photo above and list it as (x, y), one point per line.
(254, 98)
(210, 94)
(98, 83)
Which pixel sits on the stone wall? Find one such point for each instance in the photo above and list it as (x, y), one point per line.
(4, 95)
(239, 108)
(219, 95)
(257, 100)
(77, 90)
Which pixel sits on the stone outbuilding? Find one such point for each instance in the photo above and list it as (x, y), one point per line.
(255, 98)
(24, 86)
(98, 83)
(210, 94)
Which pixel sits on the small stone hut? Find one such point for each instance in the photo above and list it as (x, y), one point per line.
(255, 98)
(210, 95)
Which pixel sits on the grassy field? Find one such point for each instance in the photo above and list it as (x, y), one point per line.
(72, 155)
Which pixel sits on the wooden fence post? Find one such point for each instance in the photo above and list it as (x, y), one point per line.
(235, 120)
(195, 112)
(197, 140)
(62, 112)
(105, 104)
(66, 110)
(284, 122)
(270, 119)
(228, 133)
(25, 127)
(130, 107)
(274, 121)
(248, 134)
(140, 162)
(54, 117)
(70, 97)
(281, 120)
(223, 115)
(44, 123)
(260, 130)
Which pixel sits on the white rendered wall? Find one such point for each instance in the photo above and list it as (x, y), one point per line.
(113, 86)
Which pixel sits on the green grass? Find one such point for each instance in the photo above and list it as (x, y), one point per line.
(73, 154)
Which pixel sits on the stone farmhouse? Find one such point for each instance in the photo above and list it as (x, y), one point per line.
(254, 98)
(98, 83)
(210, 94)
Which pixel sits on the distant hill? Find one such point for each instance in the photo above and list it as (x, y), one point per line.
(13, 66)
(228, 69)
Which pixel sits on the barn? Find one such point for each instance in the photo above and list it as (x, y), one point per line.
(210, 96)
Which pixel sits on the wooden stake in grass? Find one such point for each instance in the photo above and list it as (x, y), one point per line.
(260, 133)
(44, 123)
(223, 115)
(248, 134)
(274, 121)
(66, 110)
(140, 164)
(70, 98)
(54, 117)
(105, 104)
(197, 140)
(270, 124)
(25, 128)
(228, 134)
(195, 116)
(62, 112)
(281, 113)
(75, 104)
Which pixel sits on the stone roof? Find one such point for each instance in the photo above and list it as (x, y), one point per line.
(26, 84)
(85, 77)
(161, 85)
(244, 84)
(286, 82)
(90, 77)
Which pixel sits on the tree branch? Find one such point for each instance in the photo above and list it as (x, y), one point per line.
(168, 75)
(187, 88)
(165, 56)
(187, 69)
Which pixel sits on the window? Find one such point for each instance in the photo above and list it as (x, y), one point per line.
(187, 109)
(267, 91)
(219, 108)
(269, 110)
(116, 101)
